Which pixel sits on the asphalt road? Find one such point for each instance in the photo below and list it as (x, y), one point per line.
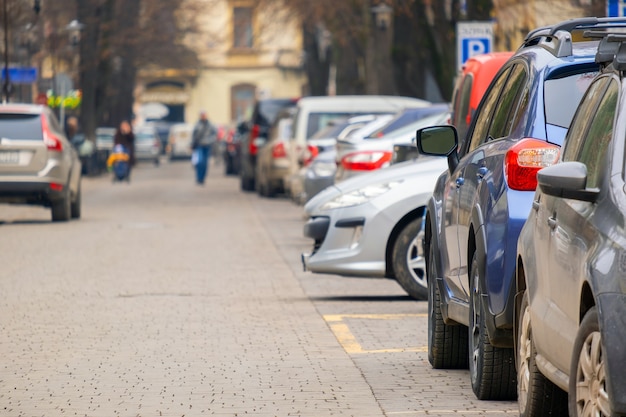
(172, 299)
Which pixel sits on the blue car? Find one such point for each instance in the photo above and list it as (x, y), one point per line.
(481, 202)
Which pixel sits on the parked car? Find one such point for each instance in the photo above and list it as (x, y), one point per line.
(147, 144)
(232, 149)
(357, 155)
(470, 86)
(104, 145)
(571, 257)
(316, 170)
(38, 165)
(481, 202)
(371, 225)
(315, 113)
(256, 135)
(179, 141)
(272, 162)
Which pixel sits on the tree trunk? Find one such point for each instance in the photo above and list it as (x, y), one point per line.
(88, 12)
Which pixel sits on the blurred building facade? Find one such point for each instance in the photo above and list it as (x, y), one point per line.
(514, 19)
(244, 53)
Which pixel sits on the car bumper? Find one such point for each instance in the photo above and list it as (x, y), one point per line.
(27, 191)
(349, 242)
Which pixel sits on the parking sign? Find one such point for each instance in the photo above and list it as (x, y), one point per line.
(473, 38)
(616, 8)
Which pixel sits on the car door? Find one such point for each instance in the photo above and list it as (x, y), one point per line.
(480, 177)
(572, 239)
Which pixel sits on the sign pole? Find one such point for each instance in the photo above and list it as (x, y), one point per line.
(7, 81)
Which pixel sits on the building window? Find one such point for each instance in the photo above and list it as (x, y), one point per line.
(242, 27)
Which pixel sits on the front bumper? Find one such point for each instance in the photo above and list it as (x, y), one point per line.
(348, 242)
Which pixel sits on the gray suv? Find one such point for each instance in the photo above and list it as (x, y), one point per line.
(38, 165)
(571, 262)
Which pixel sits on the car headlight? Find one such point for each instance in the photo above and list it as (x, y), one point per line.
(324, 169)
(360, 196)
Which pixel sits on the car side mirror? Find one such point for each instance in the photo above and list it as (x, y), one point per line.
(439, 141)
(567, 180)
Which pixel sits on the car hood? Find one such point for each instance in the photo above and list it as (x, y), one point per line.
(396, 172)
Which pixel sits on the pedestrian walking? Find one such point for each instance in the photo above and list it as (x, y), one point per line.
(124, 136)
(204, 136)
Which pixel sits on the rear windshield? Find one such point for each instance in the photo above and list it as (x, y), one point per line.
(562, 96)
(145, 136)
(268, 110)
(21, 126)
(407, 117)
(318, 121)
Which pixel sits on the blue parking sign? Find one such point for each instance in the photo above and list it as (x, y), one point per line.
(473, 38)
(475, 46)
(616, 8)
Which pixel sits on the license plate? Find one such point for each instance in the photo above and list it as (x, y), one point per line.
(9, 157)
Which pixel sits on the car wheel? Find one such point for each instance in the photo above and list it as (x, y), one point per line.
(536, 395)
(408, 260)
(247, 183)
(75, 205)
(588, 379)
(447, 344)
(61, 209)
(492, 369)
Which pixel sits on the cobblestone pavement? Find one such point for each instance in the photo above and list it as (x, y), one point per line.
(170, 299)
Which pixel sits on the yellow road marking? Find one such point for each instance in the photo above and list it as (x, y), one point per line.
(350, 344)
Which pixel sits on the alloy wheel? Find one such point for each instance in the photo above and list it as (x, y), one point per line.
(416, 261)
(475, 326)
(524, 357)
(592, 398)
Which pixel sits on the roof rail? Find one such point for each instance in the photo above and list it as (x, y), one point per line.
(558, 39)
(619, 63)
(571, 24)
(608, 45)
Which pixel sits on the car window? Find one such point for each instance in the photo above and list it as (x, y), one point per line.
(21, 126)
(319, 121)
(586, 109)
(462, 116)
(483, 119)
(268, 110)
(562, 96)
(503, 116)
(596, 142)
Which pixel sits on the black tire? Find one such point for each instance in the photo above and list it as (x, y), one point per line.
(447, 344)
(75, 206)
(537, 396)
(588, 344)
(492, 369)
(408, 261)
(61, 209)
(247, 183)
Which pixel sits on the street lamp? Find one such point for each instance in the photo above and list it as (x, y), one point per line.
(383, 13)
(6, 85)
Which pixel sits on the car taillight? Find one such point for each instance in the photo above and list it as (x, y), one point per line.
(523, 161)
(279, 151)
(55, 186)
(52, 142)
(310, 154)
(254, 133)
(366, 161)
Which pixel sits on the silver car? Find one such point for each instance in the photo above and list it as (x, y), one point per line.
(38, 165)
(371, 225)
(147, 144)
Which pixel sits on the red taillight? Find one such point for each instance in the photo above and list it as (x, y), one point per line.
(279, 151)
(366, 161)
(523, 161)
(52, 142)
(310, 154)
(254, 133)
(54, 186)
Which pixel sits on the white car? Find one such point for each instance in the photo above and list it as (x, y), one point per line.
(371, 225)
